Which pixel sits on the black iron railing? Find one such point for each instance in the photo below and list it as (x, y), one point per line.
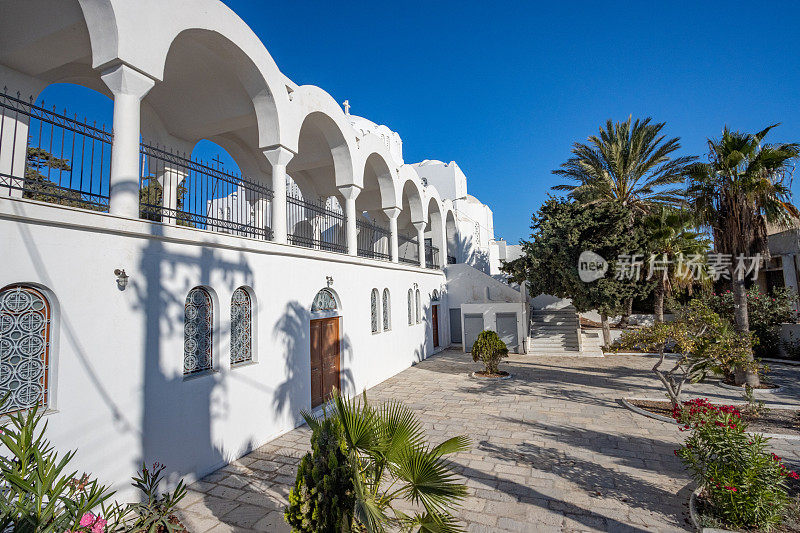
(180, 190)
(61, 159)
(373, 240)
(431, 256)
(408, 249)
(320, 225)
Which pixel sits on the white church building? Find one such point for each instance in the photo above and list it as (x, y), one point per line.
(160, 308)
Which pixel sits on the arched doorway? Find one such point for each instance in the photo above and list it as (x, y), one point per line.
(325, 346)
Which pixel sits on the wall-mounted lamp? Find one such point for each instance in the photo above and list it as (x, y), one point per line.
(329, 280)
(122, 278)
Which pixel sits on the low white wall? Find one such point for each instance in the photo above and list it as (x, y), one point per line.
(118, 394)
(489, 310)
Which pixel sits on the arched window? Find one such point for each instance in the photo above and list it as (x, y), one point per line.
(387, 317)
(419, 309)
(24, 347)
(435, 295)
(373, 303)
(324, 301)
(241, 327)
(410, 307)
(197, 327)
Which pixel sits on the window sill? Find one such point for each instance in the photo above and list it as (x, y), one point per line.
(243, 364)
(198, 375)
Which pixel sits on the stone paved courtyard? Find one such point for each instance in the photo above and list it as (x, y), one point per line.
(553, 450)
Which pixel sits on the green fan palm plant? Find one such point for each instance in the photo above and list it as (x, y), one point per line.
(673, 246)
(391, 461)
(744, 186)
(630, 163)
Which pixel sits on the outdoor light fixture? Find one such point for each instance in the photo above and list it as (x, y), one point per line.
(122, 278)
(329, 280)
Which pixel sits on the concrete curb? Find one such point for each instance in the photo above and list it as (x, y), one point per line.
(482, 378)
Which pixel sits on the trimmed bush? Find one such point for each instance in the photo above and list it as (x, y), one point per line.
(489, 349)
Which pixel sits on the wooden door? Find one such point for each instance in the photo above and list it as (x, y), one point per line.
(435, 325)
(324, 359)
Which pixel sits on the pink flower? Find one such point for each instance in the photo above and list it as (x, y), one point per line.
(99, 526)
(87, 520)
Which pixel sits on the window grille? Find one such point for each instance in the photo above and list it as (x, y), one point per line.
(374, 310)
(387, 319)
(324, 301)
(198, 321)
(410, 307)
(24, 347)
(241, 327)
(419, 308)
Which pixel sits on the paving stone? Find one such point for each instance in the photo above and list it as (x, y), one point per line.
(552, 450)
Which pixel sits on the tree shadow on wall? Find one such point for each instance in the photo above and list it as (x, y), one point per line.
(467, 252)
(293, 330)
(179, 413)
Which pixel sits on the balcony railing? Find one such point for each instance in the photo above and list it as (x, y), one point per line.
(180, 190)
(431, 256)
(319, 225)
(60, 159)
(408, 249)
(373, 240)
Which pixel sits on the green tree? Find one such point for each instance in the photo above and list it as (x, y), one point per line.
(561, 231)
(38, 186)
(391, 460)
(628, 163)
(744, 186)
(322, 500)
(489, 348)
(671, 242)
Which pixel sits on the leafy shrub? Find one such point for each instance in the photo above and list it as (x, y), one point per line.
(389, 459)
(744, 485)
(37, 492)
(766, 312)
(153, 514)
(489, 349)
(322, 498)
(705, 343)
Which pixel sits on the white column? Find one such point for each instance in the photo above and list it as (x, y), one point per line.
(172, 176)
(128, 87)
(350, 193)
(13, 152)
(420, 226)
(278, 157)
(394, 249)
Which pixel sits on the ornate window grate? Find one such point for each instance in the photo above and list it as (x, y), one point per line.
(241, 327)
(419, 308)
(198, 322)
(324, 301)
(387, 322)
(24, 347)
(374, 310)
(410, 307)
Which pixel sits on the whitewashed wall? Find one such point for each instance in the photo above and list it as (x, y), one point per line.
(118, 393)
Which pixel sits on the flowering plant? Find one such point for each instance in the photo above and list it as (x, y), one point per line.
(743, 483)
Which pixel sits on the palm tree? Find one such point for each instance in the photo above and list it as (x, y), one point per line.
(672, 242)
(744, 186)
(386, 449)
(628, 163)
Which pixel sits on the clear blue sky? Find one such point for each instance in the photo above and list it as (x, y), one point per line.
(505, 88)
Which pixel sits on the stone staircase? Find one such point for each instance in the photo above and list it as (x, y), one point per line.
(554, 332)
(592, 342)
